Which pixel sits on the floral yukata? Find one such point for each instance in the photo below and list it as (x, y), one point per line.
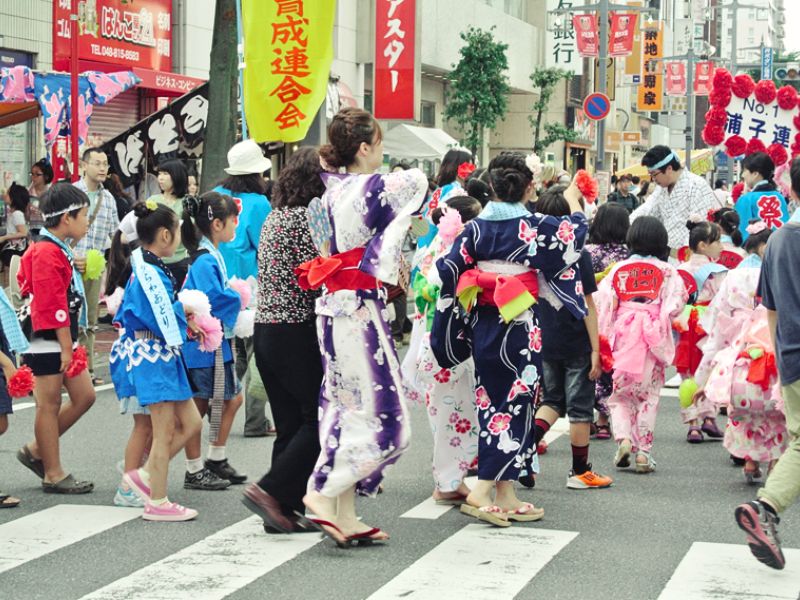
(639, 331)
(448, 393)
(500, 257)
(364, 425)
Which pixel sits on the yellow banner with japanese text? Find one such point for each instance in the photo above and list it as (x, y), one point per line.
(288, 51)
(650, 96)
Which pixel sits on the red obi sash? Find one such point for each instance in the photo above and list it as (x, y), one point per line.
(763, 369)
(511, 294)
(337, 272)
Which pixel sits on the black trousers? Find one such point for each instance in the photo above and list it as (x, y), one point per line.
(288, 359)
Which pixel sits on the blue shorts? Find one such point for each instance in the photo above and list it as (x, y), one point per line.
(203, 381)
(129, 405)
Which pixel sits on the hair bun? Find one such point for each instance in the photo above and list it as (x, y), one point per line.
(140, 210)
(191, 204)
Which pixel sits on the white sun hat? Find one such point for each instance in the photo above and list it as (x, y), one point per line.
(246, 158)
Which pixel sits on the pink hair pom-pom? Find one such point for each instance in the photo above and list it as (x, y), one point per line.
(212, 331)
(244, 290)
(450, 225)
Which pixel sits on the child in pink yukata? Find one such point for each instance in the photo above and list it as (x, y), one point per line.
(637, 302)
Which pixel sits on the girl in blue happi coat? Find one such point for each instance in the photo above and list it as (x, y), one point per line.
(209, 221)
(763, 202)
(497, 267)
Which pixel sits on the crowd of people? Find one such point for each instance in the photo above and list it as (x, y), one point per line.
(526, 311)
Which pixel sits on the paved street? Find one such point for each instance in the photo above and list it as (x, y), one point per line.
(666, 535)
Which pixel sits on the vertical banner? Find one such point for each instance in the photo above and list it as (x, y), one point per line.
(395, 38)
(767, 55)
(288, 55)
(702, 77)
(586, 34)
(560, 47)
(620, 38)
(651, 90)
(676, 78)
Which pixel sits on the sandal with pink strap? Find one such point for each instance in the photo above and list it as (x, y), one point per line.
(527, 512)
(491, 514)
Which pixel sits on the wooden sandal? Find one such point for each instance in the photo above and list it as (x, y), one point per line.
(369, 537)
(327, 529)
(7, 501)
(526, 513)
(491, 514)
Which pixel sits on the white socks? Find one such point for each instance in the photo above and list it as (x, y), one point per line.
(216, 452)
(194, 465)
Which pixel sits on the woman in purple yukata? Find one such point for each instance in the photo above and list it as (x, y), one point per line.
(497, 267)
(359, 226)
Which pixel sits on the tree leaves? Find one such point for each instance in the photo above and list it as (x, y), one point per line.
(545, 79)
(478, 96)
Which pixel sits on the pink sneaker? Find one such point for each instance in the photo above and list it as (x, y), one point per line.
(169, 511)
(137, 484)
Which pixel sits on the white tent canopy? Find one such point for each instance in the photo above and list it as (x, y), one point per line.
(417, 143)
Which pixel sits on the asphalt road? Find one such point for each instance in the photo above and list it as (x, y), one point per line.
(665, 535)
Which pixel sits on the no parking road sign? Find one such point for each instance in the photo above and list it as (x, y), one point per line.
(596, 106)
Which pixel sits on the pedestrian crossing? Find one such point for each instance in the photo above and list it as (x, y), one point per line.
(474, 561)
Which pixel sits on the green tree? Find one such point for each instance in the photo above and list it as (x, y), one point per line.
(478, 95)
(545, 79)
(223, 85)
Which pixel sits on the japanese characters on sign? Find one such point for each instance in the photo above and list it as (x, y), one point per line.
(620, 38)
(113, 31)
(288, 55)
(638, 280)
(702, 77)
(676, 78)
(395, 59)
(769, 123)
(650, 96)
(586, 36)
(561, 47)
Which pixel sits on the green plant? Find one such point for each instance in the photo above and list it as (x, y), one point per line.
(478, 94)
(545, 79)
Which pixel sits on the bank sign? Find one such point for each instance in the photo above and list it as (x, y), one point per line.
(127, 34)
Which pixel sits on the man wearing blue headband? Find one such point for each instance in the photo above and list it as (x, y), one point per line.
(679, 194)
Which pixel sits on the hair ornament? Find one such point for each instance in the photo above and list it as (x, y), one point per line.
(465, 169)
(756, 227)
(694, 218)
(151, 205)
(191, 205)
(210, 213)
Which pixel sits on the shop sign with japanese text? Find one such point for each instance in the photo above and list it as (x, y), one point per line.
(651, 90)
(395, 58)
(128, 34)
(561, 48)
(287, 54)
(749, 118)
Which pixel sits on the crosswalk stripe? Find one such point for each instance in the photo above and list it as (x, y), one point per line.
(213, 568)
(730, 571)
(23, 406)
(46, 531)
(669, 393)
(480, 561)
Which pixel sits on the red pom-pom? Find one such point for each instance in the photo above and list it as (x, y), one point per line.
(722, 79)
(796, 121)
(737, 191)
(80, 361)
(765, 91)
(713, 135)
(755, 145)
(21, 383)
(717, 116)
(787, 97)
(465, 169)
(720, 97)
(606, 356)
(587, 186)
(735, 146)
(743, 85)
(778, 154)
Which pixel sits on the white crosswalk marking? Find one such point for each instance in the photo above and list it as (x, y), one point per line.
(730, 571)
(23, 405)
(46, 531)
(480, 562)
(213, 568)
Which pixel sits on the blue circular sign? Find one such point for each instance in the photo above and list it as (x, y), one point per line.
(596, 106)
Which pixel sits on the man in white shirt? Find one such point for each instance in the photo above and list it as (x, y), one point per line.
(679, 194)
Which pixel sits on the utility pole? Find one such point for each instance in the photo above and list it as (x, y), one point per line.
(602, 8)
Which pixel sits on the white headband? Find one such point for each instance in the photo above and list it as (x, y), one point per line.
(70, 208)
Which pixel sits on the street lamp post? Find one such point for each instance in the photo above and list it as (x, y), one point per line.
(602, 8)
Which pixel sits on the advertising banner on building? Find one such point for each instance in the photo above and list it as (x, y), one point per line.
(651, 90)
(703, 72)
(120, 32)
(676, 78)
(287, 54)
(560, 46)
(394, 94)
(620, 37)
(586, 35)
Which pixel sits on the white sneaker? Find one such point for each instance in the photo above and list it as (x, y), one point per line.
(125, 497)
(674, 382)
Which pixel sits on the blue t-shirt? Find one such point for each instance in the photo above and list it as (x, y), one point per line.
(779, 288)
(241, 254)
